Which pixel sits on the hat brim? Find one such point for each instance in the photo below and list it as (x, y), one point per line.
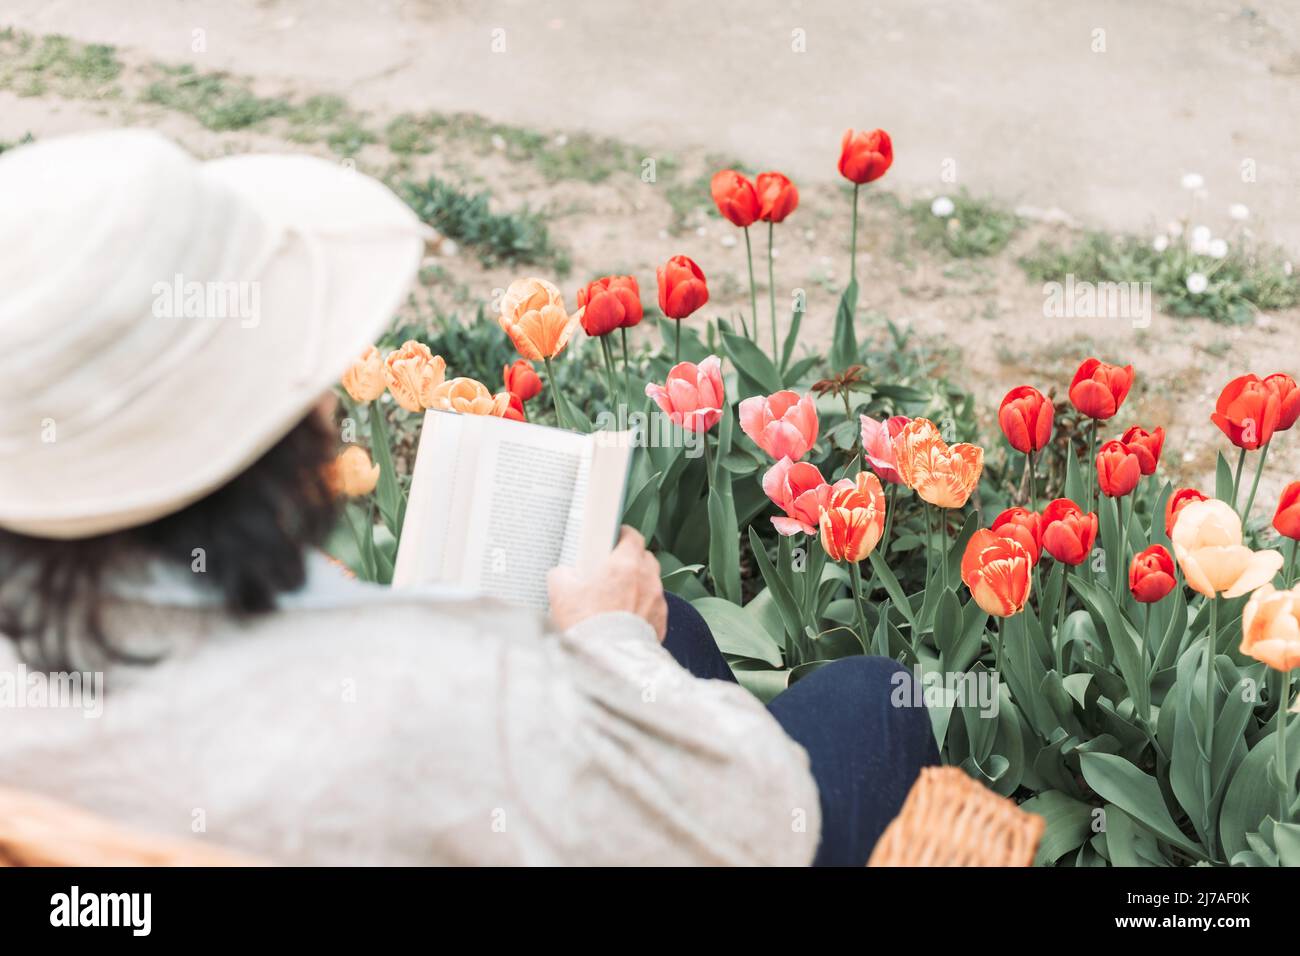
(349, 252)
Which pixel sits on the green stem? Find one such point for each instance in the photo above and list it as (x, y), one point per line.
(929, 544)
(889, 520)
(1033, 492)
(609, 369)
(753, 290)
(708, 460)
(1236, 478)
(1059, 643)
(1283, 701)
(853, 243)
(1121, 565)
(1092, 467)
(677, 343)
(555, 394)
(943, 546)
(1254, 487)
(627, 374)
(1207, 731)
(856, 573)
(1288, 579)
(771, 295)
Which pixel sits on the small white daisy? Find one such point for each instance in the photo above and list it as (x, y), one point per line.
(942, 207)
(1197, 283)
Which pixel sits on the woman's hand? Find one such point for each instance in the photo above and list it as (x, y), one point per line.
(628, 580)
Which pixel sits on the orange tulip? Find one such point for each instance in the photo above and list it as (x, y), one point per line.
(942, 475)
(1023, 525)
(1248, 412)
(533, 315)
(777, 197)
(468, 397)
(735, 197)
(364, 381)
(1270, 627)
(412, 373)
(997, 571)
(854, 518)
(352, 473)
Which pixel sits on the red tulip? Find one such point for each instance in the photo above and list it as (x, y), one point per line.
(1068, 533)
(1287, 518)
(515, 408)
(1146, 445)
(682, 289)
(1151, 575)
(735, 197)
(1248, 412)
(613, 302)
(1098, 389)
(520, 379)
(777, 197)
(1025, 416)
(1288, 394)
(1023, 525)
(1179, 500)
(1118, 469)
(865, 157)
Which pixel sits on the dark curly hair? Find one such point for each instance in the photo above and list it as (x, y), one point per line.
(255, 532)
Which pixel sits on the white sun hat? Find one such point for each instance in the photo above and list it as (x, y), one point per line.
(165, 321)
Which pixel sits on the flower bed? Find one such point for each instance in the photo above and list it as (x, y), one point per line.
(1110, 650)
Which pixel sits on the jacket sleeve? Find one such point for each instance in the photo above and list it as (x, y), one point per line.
(620, 756)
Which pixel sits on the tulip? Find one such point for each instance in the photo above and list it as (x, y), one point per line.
(1288, 396)
(1270, 633)
(692, 395)
(878, 445)
(783, 424)
(682, 290)
(1146, 445)
(521, 379)
(613, 302)
(364, 380)
(1176, 503)
(1098, 390)
(412, 373)
(1118, 469)
(1023, 526)
(1151, 575)
(1286, 520)
(864, 158)
(1068, 533)
(351, 474)
(854, 518)
(1248, 412)
(997, 571)
(798, 489)
(465, 396)
(514, 409)
(1208, 545)
(941, 475)
(533, 315)
(1025, 417)
(735, 197)
(777, 197)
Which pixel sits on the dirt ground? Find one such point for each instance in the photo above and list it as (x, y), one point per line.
(1018, 100)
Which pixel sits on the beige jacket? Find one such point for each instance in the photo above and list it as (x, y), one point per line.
(358, 725)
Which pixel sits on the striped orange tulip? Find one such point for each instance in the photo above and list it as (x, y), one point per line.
(469, 397)
(854, 518)
(940, 474)
(533, 315)
(997, 571)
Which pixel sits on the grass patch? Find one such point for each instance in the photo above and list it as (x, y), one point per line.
(1246, 280)
(216, 100)
(497, 238)
(976, 227)
(6, 145)
(32, 66)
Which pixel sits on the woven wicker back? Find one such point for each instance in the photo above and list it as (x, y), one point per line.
(949, 819)
(35, 831)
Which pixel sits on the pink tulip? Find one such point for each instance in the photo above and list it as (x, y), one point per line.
(878, 445)
(783, 425)
(692, 395)
(798, 489)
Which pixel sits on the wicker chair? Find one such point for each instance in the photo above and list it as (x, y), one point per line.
(948, 819)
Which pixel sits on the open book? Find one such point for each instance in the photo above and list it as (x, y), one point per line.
(496, 504)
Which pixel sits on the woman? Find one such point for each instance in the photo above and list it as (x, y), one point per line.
(167, 330)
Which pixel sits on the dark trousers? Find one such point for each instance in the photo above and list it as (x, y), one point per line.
(865, 751)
